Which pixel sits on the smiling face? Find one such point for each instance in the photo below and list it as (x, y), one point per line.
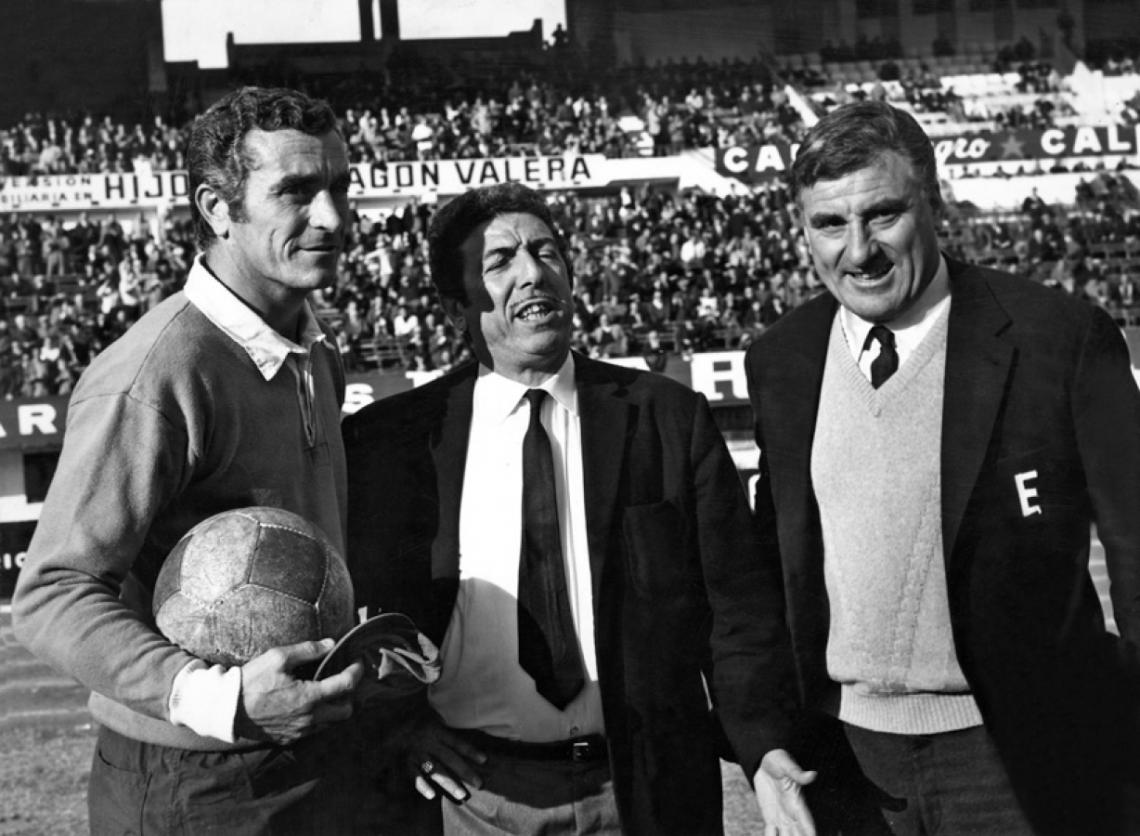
(288, 235)
(872, 236)
(519, 306)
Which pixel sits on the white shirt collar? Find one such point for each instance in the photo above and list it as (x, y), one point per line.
(912, 325)
(267, 348)
(497, 396)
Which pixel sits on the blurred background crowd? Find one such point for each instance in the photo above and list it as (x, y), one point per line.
(560, 106)
(659, 271)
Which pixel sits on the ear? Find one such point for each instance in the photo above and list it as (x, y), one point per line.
(215, 210)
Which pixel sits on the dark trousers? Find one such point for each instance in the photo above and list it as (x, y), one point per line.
(527, 796)
(948, 783)
(142, 788)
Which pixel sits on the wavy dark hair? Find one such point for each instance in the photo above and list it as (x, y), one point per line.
(216, 154)
(853, 136)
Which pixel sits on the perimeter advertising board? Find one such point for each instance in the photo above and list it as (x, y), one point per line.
(14, 539)
(370, 181)
(1051, 144)
(760, 163)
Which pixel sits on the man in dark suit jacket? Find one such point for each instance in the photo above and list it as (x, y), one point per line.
(933, 521)
(660, 572)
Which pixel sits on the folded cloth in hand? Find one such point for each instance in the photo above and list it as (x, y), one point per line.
(398, 659)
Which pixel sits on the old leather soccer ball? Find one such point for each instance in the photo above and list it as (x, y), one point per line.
(244, 581)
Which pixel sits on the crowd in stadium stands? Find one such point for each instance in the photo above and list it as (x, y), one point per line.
(49, 144)
(413, 112)
(864, 49)
(66, 291)
(1126, 65)
(1119, 56)
(926, 92)
(657, 273)
(678, 110)
(632, 111)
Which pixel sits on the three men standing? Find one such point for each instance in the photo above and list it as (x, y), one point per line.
(936, 440)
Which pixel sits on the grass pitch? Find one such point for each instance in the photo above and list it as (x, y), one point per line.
(43, 773)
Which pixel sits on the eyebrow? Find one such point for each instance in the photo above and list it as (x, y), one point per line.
(292, 180)
(887, 206)
(502, 251)
(511, 248)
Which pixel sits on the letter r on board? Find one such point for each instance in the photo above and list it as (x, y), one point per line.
(1025, 493)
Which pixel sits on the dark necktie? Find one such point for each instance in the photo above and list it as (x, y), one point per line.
(887, 363)
(548, 645)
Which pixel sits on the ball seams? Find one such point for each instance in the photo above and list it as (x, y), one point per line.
(214, 611)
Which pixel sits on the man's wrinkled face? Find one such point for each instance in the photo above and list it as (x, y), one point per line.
(872, 236)
(294, 220)
(519, 306)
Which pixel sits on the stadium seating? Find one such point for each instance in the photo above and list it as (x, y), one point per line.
(656, 270)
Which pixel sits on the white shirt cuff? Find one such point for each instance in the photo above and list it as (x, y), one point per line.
(204, 699)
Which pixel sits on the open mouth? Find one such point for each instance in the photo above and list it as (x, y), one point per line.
(872, 272)
(537, 309)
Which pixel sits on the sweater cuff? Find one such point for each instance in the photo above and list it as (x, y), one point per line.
(204, 699)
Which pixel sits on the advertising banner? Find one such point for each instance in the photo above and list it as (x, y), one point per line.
(370, 181)
(1053, 143)
(756, 163)
(14, 539)
(763, 163)
(32, 424)
(82, 192)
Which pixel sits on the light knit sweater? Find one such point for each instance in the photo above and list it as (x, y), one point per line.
(876, 474)
(172, 423)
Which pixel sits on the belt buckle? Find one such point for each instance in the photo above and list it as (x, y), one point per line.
(583, 750)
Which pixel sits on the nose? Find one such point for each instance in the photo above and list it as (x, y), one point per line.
(327, 212)
(531, 269)
(861, 245)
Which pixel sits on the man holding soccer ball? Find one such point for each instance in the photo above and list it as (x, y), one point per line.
(227, 395)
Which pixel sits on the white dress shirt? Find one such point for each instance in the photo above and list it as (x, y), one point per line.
(910, 328)
(482, 685)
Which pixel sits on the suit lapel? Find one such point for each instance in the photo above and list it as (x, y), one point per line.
(978, 363)
(604, 416)
(448, 446)
(793, 380)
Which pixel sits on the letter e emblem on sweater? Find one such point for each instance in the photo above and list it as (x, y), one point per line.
(1025, 493)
